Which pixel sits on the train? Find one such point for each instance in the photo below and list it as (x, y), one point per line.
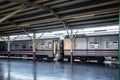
(84, 48)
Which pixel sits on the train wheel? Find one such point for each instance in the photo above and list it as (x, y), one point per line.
(50, 59)
(101, 60)
(68, 59)
(40, 58)
(83, 59)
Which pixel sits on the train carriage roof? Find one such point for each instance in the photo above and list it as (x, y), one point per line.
(36, 16)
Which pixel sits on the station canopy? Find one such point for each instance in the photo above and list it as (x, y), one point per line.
(55, 17)
(102, 31)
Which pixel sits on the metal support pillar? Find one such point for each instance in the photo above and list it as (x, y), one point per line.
(34, 50)
(14, 39)
(12, 14)
(33, 44)
(119, 43)
(65, 26)
(75, 35)
(8, 47)
(3, 39)
(71, 39)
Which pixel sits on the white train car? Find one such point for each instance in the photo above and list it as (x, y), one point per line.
(92, 47)
(84, 48)
(45, 48)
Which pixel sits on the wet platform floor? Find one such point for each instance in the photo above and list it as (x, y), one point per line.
(29, 70)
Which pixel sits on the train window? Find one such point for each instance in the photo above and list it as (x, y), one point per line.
(16, 46)
(50, 45)
(23, 46)
(111, 44)
(93, 45)
(43, 46)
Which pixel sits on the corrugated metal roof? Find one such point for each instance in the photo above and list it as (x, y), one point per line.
(48, 15)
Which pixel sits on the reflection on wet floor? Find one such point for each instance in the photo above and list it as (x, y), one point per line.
(29, 70)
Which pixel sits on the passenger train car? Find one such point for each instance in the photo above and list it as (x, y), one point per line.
(45, 48)
(92, 47)
(84, 48)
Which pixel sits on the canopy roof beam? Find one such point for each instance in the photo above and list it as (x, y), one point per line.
(11, 14)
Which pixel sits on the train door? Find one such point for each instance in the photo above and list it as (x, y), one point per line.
(56, 49)
(61, 50)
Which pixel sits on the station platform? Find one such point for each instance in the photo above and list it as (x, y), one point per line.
(42, 70)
